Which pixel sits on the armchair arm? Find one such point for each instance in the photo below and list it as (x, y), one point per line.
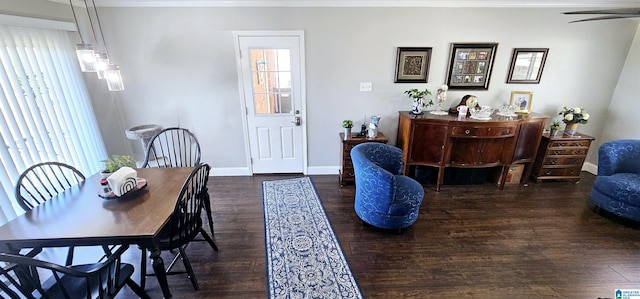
(619, 156)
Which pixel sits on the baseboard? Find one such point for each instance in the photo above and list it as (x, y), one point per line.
(317, 170)
(590, 167)
(234, 171)
(244, 171)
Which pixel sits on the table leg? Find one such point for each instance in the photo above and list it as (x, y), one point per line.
(161, 275)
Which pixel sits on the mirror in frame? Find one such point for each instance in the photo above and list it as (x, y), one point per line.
(527, 65)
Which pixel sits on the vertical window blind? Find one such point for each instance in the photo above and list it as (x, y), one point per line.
(45, 107)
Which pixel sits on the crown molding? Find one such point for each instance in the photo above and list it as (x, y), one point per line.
(368, 3)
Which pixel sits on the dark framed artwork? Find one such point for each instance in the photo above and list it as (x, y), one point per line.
(527, 65)
(470, 65)
(412, 65)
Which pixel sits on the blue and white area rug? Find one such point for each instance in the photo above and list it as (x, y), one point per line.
(304, 258)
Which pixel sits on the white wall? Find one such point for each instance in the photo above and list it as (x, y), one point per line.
(179, 68)
(621, 119)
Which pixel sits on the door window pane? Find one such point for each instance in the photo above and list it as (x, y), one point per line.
(271, 76)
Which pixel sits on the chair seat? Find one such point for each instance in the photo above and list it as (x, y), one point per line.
(168, 241)
(623, 187)
(78, 289)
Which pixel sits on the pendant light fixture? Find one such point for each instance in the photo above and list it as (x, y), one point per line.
(105, 68)
(84, 51)
(113, 77)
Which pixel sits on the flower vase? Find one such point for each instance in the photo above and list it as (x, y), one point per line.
(553, 132)
(571, 129)
(417, 106)
(373, 127)
(347, 133)
(438, 110)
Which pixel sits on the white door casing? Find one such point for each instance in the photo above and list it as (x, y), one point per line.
(271, 81)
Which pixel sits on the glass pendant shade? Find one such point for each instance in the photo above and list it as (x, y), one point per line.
(113, 77)
(102, 60)
(86, 57)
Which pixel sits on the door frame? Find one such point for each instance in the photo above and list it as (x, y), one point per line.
(301, 93)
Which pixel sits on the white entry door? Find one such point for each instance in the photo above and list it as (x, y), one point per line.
(270, 67)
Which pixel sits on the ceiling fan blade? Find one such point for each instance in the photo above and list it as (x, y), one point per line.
(619, 11)
(606, 18)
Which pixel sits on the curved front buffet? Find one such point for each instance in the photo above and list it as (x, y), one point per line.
(443, 141)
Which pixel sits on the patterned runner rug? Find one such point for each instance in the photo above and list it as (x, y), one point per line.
(304, 258)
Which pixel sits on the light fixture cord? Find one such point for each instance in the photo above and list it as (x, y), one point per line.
(76, 19)
(90, 21)
(104, 43)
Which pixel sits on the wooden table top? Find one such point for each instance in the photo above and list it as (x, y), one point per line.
(79, 216)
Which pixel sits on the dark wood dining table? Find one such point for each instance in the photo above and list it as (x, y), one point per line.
(79, 217)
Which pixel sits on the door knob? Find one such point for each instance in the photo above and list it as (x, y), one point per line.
(297, 121)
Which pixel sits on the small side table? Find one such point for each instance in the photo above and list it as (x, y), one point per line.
(561, 156)
(347, 174)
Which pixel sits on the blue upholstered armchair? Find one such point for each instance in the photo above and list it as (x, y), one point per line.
(384, 197)
(617, 185)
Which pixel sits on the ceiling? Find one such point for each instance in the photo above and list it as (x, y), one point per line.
(364, 3)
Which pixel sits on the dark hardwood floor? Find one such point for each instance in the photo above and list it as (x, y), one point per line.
(470, 241)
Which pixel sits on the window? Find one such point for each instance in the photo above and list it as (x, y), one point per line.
(45, 107)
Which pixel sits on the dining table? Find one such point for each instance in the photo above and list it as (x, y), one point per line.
(79, 217)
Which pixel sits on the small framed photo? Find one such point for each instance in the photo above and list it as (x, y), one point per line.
(527, 65)
(412, 65)
(470, 65)
(521, 101)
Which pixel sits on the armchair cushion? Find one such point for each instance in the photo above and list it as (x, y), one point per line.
(384, 197)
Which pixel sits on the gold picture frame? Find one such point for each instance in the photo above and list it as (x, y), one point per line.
(521, 101)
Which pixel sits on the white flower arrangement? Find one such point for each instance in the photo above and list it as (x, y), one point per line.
(575, 115)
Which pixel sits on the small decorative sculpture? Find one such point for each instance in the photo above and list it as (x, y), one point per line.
(441, 97)
(373, 127)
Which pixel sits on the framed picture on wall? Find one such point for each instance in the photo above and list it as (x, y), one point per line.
(412, 65)
(470, 65)
(521, 101)
(527, 65)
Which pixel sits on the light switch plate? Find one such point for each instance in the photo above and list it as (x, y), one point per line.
(366, 86)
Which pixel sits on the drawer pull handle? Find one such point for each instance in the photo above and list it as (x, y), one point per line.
(571, 171)
(467, 131)
(556, 152)
(548, 172)
(578, 152)
(553, 161)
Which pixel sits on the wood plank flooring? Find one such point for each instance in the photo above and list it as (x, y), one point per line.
(470, 241)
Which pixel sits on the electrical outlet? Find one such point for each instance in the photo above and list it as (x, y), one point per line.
(366, 86)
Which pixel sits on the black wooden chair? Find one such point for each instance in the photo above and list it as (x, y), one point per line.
(186, 222)
(43, 181)
(172, 147)
(176, 147)
(33, 278)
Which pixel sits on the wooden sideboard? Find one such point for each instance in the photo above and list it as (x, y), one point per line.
(443, 141)
(561, 156)
(347, 174)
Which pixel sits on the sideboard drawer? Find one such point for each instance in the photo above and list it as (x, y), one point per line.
(567, 152)
(575, 143)
(561, 160)
(464, 131)
(562, 172)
